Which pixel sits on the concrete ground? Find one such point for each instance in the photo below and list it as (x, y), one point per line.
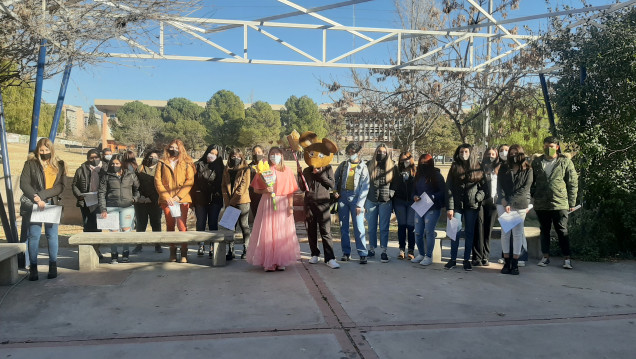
(152, 309)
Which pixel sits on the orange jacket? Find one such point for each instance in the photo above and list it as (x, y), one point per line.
(171, 183)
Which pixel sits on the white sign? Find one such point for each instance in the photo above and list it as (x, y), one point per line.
(175, 210)
(50, 214)
(230, 216)
(423, 205)
(111, 221)
(452, 227)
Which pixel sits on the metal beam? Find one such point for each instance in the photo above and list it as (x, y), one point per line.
(491, 18)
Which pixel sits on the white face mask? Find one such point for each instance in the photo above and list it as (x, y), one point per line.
(108, 157)
(503, 155)
(465, 156)
(406, 164)
(353, 157)
(211, 157)
(275, 159)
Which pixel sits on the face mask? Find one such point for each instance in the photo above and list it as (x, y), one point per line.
(259, 158)
(211, 158)
(503, 155)
(95, 162)
(465, 157)
(380, 157)
(353, 157)
(275, 159)
(108, 157)
(45, 156)
(422, 168)
(236, 161)
(550, 151)
(115, 169)
(153, 161)
(173, 153)
(487, 161)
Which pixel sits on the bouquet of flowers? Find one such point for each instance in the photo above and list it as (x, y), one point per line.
(268, 176)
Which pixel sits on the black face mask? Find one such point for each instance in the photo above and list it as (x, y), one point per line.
(487, 161)
(424, 168)
(173, 153)
(152, 161)
(235, 162)
(94, 162)
(115, 169)
(45, 156)
(259, 158)
(380, 157)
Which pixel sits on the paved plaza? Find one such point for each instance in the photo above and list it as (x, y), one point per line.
(152, 309)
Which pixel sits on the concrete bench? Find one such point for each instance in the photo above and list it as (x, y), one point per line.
(9, 262)
(88, 259)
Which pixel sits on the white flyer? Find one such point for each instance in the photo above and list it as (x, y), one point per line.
(508, 220)
(423, 205)
(452, 227)
(111, 221)
(230, 216)
(175, 210)
(50, 214)
(90, 198)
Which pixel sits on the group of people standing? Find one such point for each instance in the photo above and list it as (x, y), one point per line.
(169, 179)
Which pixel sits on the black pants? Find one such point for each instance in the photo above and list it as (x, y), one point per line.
(208, 214)
(145, 211)
(319, 218)
(89, 219)
(558, 218)
(483, 232)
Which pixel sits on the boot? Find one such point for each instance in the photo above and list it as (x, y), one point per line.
(173, 253)
(52, 270)
(158, 248)
(506, 266)
(33, 272)
(230, 253)
(184, 253)
(514, 266)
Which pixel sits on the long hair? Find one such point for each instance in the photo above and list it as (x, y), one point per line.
(281, 166)
(146, 160)
(183, 155)
(519, 159)
(236, 151)
(411, 168)
(219, 156)
(388, 165)
(129, 158)
(119, 158)
(470, 170)
(45, 142)
(430, 163)
(495, 162)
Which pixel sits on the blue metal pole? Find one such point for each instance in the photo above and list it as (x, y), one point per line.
(12, 231)
(548, 105)
(37, 99)
(60, 101)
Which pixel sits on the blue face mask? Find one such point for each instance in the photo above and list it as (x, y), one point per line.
(353, 157)
(275, 159)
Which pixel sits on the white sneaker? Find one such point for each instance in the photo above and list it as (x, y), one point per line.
(567, 264)
(417, 259)
(313, 260)
(521, 263)
(333, 264)
(544, 262)
(500, 261)
(427, 261)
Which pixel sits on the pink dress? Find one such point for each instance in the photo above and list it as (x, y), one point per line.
(273, 241)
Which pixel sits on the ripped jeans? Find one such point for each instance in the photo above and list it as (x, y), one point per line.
(126, 217)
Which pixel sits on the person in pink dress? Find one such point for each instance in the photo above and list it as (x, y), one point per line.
(274, 244)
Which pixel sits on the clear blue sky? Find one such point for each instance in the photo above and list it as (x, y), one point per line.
(198, 81)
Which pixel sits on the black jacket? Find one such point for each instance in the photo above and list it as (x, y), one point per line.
(463, 194)
(32, 182)
(515, 187)
(207, 183)
(82, 182)
(320, 184)
(402, 185)
(146, 177)
(115, 191)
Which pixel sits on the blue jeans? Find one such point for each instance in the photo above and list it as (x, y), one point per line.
(470, 217)
(35, 232)
(345, 208)
(405, 216)
(210, 214)
(426, 226)
(126, 217)
(383, 211)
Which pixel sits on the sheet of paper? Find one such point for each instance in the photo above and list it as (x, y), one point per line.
(423, 205)
(175, 210)
(230, 216)
(50, 214)
(509, 220)
(493, 186)
(452, 227)
(110, 222)
(90, 198)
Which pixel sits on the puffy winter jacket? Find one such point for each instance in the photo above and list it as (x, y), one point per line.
(116, 191)
(557, 191)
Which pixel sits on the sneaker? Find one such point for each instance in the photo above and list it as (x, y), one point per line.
(113, 258)
(211, 254)
(371, 252)
(544, 262)
(427, 261)
(113, 261)
(401, 255)
(201, 251)
(138, 248)
(333, 264)
(522, 263)
(450, 265)
(485, 263)
(475, 263)
(124, 259)
(567, 264)
(363, 260)
(280, 269)
(345, 258)
(417, 259)
(410, 255)
(313, 260)
(467, 266)
(158, 249)
(384, 258)
(500, 261)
